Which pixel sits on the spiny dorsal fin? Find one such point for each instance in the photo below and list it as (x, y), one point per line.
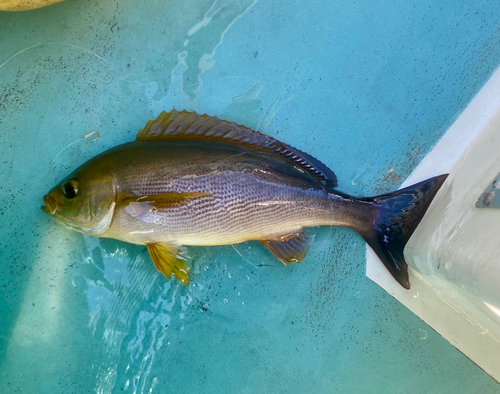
(186, 124)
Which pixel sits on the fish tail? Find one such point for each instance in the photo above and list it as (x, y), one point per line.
(397, 216)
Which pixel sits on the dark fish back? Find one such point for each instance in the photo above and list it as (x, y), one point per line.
(172, 160)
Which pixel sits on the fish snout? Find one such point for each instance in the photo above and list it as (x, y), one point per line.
(51, 205)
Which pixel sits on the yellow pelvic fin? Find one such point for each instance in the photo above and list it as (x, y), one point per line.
(168, 261)
(162, 201)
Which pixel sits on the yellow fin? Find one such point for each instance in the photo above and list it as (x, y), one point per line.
(168, 261)
(190, 125)
(161, 201)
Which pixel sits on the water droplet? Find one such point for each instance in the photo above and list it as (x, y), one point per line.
(422, 334)
(225, 301)
(483, 330)
(416, 295)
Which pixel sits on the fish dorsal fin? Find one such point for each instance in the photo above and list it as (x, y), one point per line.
(290, 248)
(186, 125)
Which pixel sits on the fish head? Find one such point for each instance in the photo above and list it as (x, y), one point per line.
(84, 201)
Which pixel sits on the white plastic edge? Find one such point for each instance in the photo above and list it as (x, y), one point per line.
(439, 311)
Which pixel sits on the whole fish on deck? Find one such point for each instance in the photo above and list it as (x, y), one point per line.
(197, 180)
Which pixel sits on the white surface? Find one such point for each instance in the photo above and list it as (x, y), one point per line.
(454, 255)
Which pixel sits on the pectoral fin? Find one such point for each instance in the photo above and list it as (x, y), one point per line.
(156, 202)
(290, 248)
(165, 200)
(168, 261)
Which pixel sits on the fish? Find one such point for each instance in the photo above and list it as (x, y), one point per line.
(196, 180)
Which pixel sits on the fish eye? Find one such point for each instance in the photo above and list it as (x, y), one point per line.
(70, 189)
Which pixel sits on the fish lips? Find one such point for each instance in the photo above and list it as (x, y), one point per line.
(51, 206)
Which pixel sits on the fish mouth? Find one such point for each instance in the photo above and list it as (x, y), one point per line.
(51, 206)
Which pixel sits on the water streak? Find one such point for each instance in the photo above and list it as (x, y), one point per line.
(131, 309)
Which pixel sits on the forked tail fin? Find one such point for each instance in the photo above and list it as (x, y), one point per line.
(398, 215)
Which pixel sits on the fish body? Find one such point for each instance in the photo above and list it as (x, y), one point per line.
(246, 195)
(196, 180)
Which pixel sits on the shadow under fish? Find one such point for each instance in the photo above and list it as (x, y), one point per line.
(192, 179)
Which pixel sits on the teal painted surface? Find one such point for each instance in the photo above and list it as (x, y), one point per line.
(366, 87)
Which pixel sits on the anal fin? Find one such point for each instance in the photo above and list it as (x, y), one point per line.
(290, 248)
(168, 261)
